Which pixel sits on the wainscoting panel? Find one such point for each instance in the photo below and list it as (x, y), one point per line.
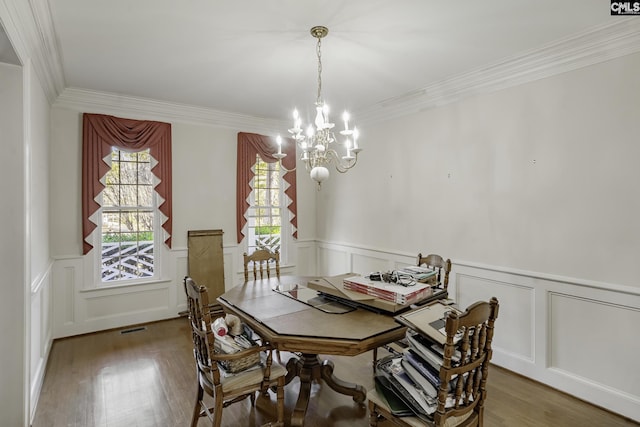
(333, 261)
(306, 257)
(365, 264)
(141, 300)
(609, 334)
(515, 325)
(229, 254)
(40, 334)
(78, 310)
(182, 268)
(67, 276)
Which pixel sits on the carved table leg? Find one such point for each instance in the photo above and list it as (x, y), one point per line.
(357, 391)
(309, 368)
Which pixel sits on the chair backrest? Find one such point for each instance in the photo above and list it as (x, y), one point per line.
(442, 266)
(463, 376)
(201, 319)
(261, 261)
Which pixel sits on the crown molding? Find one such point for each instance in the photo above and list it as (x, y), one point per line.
(45, 48)
(596, 45)
(149, 109)
(30, 30)
(590, 47)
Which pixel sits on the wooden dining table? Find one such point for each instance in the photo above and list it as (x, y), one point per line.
(275, 309)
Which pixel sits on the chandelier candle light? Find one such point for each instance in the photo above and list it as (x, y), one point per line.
(316, 145)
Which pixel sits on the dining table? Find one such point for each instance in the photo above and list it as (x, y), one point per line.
(294, 318)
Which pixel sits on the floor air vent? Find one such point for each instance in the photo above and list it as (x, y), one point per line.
(128, 331)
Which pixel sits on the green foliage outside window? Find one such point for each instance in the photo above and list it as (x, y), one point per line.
(267, 229)
(146, 236)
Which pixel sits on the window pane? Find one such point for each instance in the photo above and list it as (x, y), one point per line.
(111, 195)
(145, 195)
(128, 157)
(133, 260)
(144, 173)
(145, 222)
(115, 154)
(128, 173)
(264, 213)
(112, 176)
(127, 230)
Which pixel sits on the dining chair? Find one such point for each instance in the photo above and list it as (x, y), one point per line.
(442, 267)
(261, 261)
(462, 391)
(226, 388)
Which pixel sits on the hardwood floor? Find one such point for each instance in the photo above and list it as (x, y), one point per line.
(147, 378)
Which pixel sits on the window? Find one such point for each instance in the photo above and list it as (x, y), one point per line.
(266, 200)
(128, 218)
(126, 198)
(264, 228)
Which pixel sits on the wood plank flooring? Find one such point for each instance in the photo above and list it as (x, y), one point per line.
(146, 378)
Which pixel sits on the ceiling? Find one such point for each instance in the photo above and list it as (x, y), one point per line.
(257, 58)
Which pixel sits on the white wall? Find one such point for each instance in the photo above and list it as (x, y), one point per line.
(12, 251)
(38, 151)
(204, 182)
(551, 164)
(25, 262)
(533, 193)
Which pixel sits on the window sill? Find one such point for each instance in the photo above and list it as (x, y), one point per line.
(121, 286)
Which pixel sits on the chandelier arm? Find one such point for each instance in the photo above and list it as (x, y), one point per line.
(341, 166)
(285, 169)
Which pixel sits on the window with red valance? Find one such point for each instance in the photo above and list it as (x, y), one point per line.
(125, 156)
(250, 148)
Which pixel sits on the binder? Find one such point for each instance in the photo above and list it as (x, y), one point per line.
(427, 320)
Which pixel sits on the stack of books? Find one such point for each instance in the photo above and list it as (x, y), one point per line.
(393, 292)
(400, 383)
(414, 374)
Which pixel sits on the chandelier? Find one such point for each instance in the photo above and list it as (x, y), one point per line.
(317, 143)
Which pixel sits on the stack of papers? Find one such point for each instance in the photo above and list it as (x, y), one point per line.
(388, 291)
(419, 274)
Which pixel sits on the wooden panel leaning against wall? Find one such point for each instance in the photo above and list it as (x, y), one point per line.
(206, 260)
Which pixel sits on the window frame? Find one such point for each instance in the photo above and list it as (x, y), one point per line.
(286, 239)
(158, 246)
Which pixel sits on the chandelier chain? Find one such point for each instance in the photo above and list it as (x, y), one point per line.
(318, 47)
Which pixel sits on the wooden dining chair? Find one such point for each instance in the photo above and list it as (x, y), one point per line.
(225, 388)
(462, 392)
(261, 261)
(442, 267)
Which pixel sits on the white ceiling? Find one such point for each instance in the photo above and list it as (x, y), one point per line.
(257, 58)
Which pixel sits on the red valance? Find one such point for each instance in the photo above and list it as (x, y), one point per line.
(99, 134)
(250, 144)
